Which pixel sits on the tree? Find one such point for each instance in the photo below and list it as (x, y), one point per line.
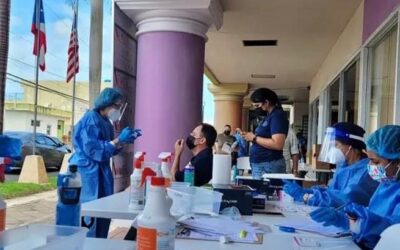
(96, 49)
(4, 31)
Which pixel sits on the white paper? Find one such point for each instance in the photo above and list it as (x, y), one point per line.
(308, 225)
(243, 163)
(316, 243)
(211, 228)
(281, 176)
(221, 169)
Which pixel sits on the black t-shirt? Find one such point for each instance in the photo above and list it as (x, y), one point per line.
(203, 163)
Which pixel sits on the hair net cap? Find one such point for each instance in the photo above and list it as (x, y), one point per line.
(348, 131)
(385, 142)
(107, 97)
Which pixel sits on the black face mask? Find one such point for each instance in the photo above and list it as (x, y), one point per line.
(227, 132)
(190, 142)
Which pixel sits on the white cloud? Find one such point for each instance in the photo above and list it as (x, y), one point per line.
(15, 21)
(62, 28)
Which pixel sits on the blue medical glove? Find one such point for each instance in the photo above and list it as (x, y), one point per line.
(356, 211)
(294, 190)
(129, 135)
(330, 217)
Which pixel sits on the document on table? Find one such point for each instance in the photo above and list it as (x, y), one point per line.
(212, 228)
(316, 243)
(308, 225)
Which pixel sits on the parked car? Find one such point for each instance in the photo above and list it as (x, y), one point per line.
(51, 150)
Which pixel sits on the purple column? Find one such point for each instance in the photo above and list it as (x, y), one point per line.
(169, 90)
(375, 12)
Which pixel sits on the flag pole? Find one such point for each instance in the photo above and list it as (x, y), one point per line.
(74, 82)
(37, 3)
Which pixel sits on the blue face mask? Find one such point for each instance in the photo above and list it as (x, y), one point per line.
(378, 172)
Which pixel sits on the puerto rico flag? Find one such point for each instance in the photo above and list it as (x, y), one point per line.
(38, 30)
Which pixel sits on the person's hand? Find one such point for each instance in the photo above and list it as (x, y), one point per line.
(294, 190)
(330, 217)
(128, 135)
(179, 147)
(248, 136)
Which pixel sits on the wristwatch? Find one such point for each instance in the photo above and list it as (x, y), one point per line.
(255, 139)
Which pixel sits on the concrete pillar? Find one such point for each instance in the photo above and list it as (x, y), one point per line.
(170, 65)
(228, 100)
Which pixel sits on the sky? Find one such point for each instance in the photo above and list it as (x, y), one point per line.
(58, 21)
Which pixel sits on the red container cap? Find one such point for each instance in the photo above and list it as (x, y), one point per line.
(138, 164)
(158, 181)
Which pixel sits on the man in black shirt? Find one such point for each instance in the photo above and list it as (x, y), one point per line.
(200, 142)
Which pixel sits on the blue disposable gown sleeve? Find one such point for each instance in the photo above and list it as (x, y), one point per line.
(96, 149)
(336, 198)
(371, 224)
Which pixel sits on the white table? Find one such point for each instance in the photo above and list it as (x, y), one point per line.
(116, 207)
(108, 244)
(111, 207)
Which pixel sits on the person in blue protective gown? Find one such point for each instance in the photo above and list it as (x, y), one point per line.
(343, 145)
(367, 223)
(94, 145)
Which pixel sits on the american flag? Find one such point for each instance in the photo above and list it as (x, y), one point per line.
(41, 31)
(73, 55)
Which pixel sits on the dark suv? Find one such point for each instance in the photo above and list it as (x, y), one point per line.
(51, 150)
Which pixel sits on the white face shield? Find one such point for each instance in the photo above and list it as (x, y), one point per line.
(329, 152)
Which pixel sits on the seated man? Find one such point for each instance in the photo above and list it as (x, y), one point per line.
(200, 142)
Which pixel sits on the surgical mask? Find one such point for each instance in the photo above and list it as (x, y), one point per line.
(190, 142)
(337, 157)
(114, 115)
(378, 172)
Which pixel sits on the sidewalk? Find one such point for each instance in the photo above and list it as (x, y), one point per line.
(37, 208)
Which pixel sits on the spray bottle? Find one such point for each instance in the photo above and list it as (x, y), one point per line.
(3, 206)
(165, 158)
(136, 194)
(155, 225)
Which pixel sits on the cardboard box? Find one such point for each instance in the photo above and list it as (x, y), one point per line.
(239, 196)
(315, 164)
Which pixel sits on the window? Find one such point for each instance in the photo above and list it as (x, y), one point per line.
(334, 101)
(351, 91)
(40, 140)
(48, 129)
(49, 142)
(37, 123)
(381, 101)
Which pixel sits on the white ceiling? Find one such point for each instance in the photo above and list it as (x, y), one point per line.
(305, 29)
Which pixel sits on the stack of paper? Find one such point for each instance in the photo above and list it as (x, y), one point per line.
(212, 228)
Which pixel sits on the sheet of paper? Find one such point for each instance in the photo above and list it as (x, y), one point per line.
(316, 243)
(307, 224)
(212, 228)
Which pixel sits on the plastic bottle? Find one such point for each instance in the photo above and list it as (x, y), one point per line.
(165, 169)
(69, 190)
(136, 195)
(165, 158)
(234, 173)
(189, 174)
(156, 227)
(3, 206)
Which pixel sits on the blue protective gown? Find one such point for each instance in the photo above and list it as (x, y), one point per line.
(383, 211)
(93, 151)
(349, 184)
